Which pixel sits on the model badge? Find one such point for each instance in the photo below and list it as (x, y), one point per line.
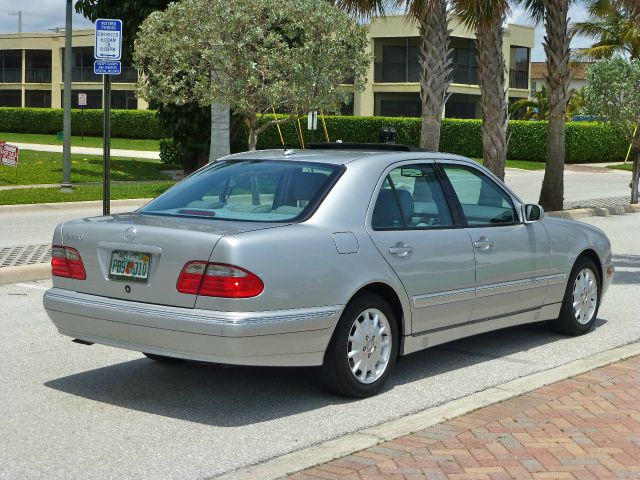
(127, 289)
(129, 234)
(73, 236)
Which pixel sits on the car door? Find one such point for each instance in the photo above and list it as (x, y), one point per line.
(511, 257)
(413, 227)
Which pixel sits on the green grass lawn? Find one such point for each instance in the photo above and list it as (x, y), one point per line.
(77, 141)
(522, 164)
(46, 167)
(82, 193)
(623, 166)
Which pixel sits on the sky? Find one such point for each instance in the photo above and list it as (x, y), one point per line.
(42, 15)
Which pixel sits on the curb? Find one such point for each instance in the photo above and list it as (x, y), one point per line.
(25, 273)
(35, 207)
(595, 212)
(350, 443)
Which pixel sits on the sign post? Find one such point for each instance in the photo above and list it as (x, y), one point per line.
(108, 52)
(312, 123)
(82, 102)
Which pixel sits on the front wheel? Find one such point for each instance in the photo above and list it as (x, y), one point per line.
(581, 299)
(363, 349)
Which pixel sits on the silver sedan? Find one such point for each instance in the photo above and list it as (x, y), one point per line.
(344, 257)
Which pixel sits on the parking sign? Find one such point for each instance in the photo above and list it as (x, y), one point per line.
(82, 99)
(108, 39)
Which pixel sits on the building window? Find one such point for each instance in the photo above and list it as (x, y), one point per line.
(462, 106)
(10, 98)
(37, 98)
(465, 62)
(11, 66)
(347, 107)
(124, 99)
(397, 60)
(397, 104)
(38, 66)
(519, 68)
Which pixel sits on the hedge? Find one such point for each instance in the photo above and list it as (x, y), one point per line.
(124, 123)
(586, 141)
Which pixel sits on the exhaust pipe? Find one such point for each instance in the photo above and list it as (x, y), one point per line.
(81, 342)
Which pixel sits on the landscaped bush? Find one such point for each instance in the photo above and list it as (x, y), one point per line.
(124, 123)
(170, 152)
(586, 142)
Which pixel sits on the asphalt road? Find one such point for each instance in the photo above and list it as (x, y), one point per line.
(72, 411)
(22, 227)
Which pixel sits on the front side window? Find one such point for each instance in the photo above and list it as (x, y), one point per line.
(411, 197)
(483, 202)
(249, 190)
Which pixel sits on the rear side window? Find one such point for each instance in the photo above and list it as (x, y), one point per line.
(483, 202)
(263, 191)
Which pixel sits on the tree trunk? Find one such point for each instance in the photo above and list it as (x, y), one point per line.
(219, 146)
(635, 177)
(493, 97)
(435, 70)
(556, 46)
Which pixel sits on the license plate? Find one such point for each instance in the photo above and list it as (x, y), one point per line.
(129, 266)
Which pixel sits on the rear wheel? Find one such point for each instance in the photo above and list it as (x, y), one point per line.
(581, 299)
(162, 358)
(363, 349)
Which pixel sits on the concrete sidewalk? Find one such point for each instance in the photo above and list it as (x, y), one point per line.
(115, 152)
(585, 427)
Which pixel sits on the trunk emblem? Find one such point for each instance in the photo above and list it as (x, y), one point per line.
(127, 289)
(130, 234)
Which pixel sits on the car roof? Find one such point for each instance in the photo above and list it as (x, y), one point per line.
(342, 157)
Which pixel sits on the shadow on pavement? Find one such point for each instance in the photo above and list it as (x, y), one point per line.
(234, 396)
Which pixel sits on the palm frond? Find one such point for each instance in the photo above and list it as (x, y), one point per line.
(535, 9)
(480, 14)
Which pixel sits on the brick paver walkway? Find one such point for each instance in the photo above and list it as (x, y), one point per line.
(586, 427)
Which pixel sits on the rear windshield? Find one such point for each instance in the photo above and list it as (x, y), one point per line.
(250, 190)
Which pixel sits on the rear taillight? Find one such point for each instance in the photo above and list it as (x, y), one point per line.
(66, 262)
(218, 280)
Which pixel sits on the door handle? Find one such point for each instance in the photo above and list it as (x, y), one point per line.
(400, 249)
(483, 243)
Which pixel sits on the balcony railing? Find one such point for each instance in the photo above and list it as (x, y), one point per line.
(396, 72)
(38, 75)
(465, 74)
(11, 75)
(518, 78)
(85, 74)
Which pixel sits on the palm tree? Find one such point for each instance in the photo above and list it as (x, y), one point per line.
(485, 18)
(556, 42)
(536, 108)
(612, 26)
(435, 56)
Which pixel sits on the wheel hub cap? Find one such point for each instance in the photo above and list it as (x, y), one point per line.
(369, 346)
(585, 296)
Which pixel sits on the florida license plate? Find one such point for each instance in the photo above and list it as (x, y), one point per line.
(129, 266)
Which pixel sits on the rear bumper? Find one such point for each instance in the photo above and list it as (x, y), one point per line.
(274, 338)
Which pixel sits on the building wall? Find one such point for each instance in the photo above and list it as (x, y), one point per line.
(53, 90)
(391, 30)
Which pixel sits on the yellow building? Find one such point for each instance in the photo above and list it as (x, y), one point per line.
(31, 72)
(393, 88)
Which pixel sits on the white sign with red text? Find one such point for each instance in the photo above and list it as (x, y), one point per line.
(8, 154)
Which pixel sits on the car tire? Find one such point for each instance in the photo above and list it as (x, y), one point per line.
(162, 358)
(581, 299)
(363, 349)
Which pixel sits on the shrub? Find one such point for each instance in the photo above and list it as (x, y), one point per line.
(124, 123)
(170, 152)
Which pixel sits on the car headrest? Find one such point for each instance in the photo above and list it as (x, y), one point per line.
(385, 212)
(307, 185)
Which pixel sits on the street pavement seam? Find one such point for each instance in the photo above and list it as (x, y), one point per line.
(296, 461)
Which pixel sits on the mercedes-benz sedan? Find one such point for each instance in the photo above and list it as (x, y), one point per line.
(344, 257)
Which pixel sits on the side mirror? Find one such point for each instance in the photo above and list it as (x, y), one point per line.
(532, 213)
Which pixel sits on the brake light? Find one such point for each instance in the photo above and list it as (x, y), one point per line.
(66, 262)
(218, 280)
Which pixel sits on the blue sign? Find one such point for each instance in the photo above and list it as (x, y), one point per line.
(103, 67)
(108, 39)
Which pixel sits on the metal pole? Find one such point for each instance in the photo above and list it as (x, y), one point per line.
(106, 181)
(66, 148)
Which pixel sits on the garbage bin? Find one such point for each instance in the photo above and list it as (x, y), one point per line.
(388, 135)
(60, 136)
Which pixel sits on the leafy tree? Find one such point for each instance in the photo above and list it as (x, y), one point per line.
(612, 25)
(554, 14)
(612, 93)
(538, 107)
(254, 56)
(436, 64)
(485, 18)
